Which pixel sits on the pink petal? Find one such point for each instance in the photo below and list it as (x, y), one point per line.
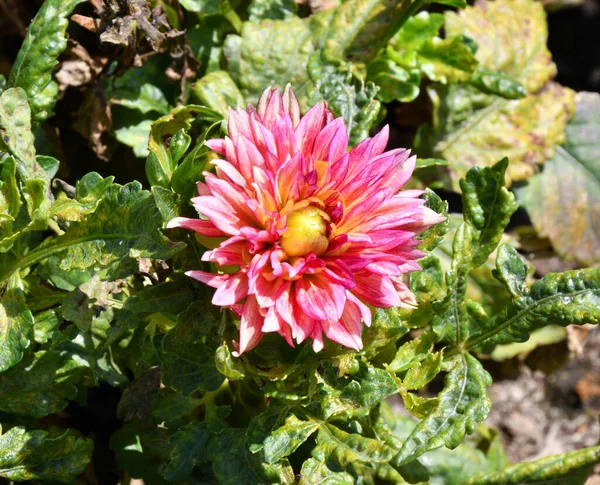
(206, 228)
(250, 326)
(211, 279)
(320, 298)
(376, 290)
(233, 290)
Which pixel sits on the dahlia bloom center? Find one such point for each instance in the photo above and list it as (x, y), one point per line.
(309, 236)
(306, 232)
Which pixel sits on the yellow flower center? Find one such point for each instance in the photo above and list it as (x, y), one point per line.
(306, 232)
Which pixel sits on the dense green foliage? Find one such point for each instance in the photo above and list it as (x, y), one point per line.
(92, 289)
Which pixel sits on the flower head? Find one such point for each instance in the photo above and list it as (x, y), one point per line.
(319, 233)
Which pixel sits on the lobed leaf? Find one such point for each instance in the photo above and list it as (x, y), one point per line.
(39, 455)
(34, 66)
(286, 439)
(42, 383)
(563, 200)
(568, 298)
(472, 128)
(487, 207)
(124, 227)
(461, 405)
(217, 91)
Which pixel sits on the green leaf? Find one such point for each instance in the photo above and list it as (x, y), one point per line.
(217, 91)
(286, 439)
(10, 197)
(188, 364)
(233, 463)
(206, 7)
(462, 404)
(161, 164)
(16, 136)
(472, 128)
(568, 298)
(394, 82)
(316, 473)
(412, 352)
(344, 449)
(135, 136)
(357, 29)
(188, 448)
(16, 322)
(421, 373)
(343, 397)
(43, 383)
(571, 468)
(226, 365)
(433, 236)
(146, 98)
(563, 200)
(491, 82)
(39, 455)
(272, 53)
(35, 63)
(271, 9)
(346, 93)
(487, 207)
(124, 227)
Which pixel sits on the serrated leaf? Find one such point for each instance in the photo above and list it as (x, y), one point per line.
(316, 473)
(473, 128)
(286, 439)
(259, 10)
(487, 207)
(39, 455)
(168, 405)
(124, 227)
(271, 53)
(188, 364)
(16, 136)
(34, 66)
(572, 468)
(16, 322)
(344, 448)
(346, 93)
(568, 298)
(563, 200)
(462, 404)
(188, 448)
(217, 91)
(233, 463)
(43, 383)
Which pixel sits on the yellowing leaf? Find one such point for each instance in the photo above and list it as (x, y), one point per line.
(563, 200)
(473, 128)
(511, 38)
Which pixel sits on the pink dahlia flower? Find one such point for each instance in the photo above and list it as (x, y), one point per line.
(317, 233)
